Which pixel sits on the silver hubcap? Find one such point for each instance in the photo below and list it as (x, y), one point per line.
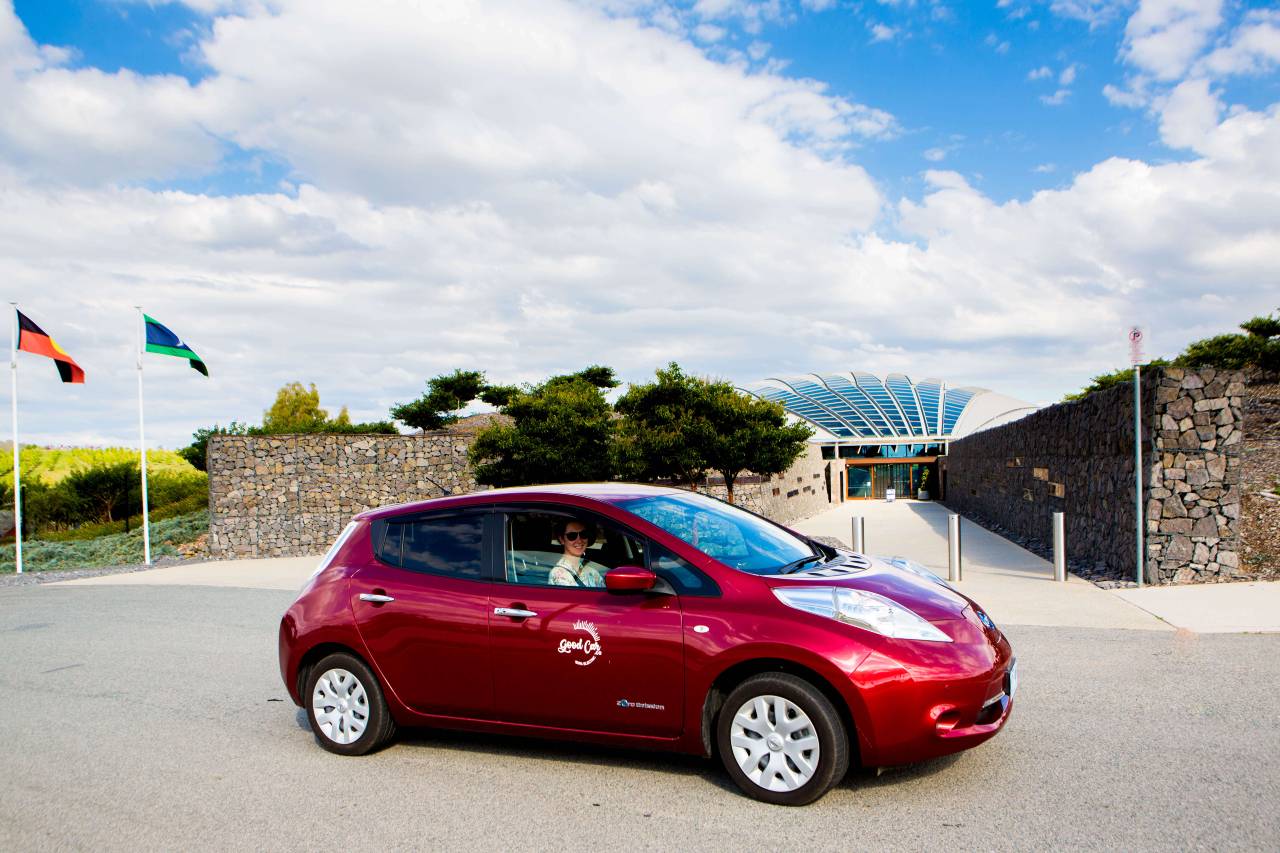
(340, 706)
(774, 743)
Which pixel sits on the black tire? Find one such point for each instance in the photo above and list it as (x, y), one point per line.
(378, 725)
(833, 740)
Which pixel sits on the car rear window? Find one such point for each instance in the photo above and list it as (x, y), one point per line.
(451, 545)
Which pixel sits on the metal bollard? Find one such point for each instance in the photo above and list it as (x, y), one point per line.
(954, 572)
(1059, 546)
(859, 534)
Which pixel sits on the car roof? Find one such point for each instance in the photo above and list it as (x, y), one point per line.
(604, 492)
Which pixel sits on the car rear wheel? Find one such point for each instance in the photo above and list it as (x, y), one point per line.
(781, 740)
(345, 706)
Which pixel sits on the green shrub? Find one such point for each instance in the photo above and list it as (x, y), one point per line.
(118, 549)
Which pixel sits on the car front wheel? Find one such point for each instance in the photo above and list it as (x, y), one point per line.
(781, 740)
(345, 706)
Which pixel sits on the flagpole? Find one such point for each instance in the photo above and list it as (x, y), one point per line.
(142, 443)
(17, 472)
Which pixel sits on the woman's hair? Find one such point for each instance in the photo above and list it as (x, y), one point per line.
(563, 524)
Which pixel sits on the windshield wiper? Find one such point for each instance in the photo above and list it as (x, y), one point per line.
(794, 565)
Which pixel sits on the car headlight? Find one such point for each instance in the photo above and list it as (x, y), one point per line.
(864, 609)
(915, 569)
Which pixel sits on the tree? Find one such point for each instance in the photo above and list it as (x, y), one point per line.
(197, 450)
(107, 490)
(749, 434)
(445, 395)
(1259, 346)
(562, 430)
(682, 426)
(665, 429)
(1122, 376)
(448, 393)
(296, 410)
(43, 505)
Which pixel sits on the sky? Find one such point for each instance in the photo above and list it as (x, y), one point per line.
(366, 195)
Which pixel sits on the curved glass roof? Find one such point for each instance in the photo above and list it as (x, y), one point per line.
(860, 406)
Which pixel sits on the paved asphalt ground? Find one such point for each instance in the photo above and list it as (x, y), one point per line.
(152, 717)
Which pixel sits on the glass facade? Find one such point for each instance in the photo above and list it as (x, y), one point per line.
(859, 482)
(954, 405)
(874, 423)
(900, 387)
(860, 406)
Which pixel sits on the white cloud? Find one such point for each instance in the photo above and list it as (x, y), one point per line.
(90, 126)
(1254, 47)
(1189, 115)
(1045, 169)
(881, 32)
(1057, 99)
(1041, 73)
(1133, 97)
(752, 15)
(995, 43)
(1095, 13)
(935, 155)
(544, 186)
(1068, 75)
(1163, 37)
(708, 33)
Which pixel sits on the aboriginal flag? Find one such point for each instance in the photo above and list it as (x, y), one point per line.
(161, 340)
(31, 338)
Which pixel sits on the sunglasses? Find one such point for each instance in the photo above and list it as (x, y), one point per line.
(575, 535)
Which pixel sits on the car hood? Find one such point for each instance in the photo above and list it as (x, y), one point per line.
(928, 599)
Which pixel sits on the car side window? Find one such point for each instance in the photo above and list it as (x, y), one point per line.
(536, 552)
(389, 547)
(680, 573)
(438, 544)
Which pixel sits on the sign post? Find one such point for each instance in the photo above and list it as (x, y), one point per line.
(1135, 359)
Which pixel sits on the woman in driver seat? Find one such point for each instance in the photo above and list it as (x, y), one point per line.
(573, 568)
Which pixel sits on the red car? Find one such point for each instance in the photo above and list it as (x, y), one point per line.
(641, 616)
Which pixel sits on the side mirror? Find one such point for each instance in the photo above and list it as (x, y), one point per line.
(629, 579)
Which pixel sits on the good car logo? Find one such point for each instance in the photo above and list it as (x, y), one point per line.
(584, 649)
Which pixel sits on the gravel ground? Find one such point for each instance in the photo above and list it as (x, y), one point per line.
(153, 717)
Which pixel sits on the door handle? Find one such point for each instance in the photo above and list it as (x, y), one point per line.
(513, 612)
(374, 597)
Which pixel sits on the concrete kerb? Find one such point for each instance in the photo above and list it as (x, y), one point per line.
(287, 573)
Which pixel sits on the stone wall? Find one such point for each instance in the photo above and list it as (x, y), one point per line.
(1260, 483)
(802, 490)
(291, 495)
(1193, 488)
(1074, 458)
(1077, 458)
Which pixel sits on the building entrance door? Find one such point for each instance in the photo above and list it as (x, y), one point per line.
(872, 481)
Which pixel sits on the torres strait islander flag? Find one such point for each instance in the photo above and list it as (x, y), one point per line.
(31, 338)
(165, 342)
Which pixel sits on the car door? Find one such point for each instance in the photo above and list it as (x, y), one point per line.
(422, 605)
(578, 657)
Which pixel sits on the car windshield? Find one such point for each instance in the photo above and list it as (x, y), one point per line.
(730, 535)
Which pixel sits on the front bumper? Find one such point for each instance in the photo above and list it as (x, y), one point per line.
(927, 709)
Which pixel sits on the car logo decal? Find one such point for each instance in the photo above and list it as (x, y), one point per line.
(586, 649)
(648, 706)
(700, 629)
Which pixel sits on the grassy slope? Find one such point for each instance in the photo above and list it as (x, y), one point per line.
(117, 549)
(52, 464)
